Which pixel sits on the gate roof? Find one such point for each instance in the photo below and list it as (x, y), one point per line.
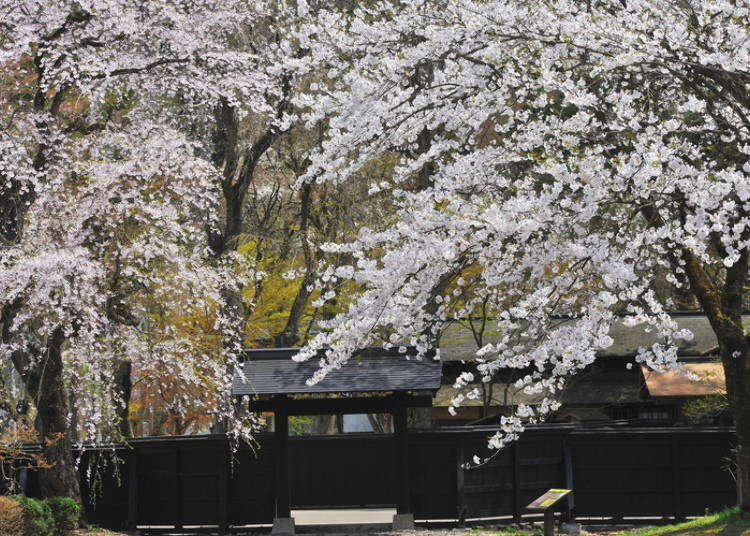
(273, 371)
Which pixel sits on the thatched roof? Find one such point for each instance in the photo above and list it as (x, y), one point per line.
(503, 394)
(457, 342)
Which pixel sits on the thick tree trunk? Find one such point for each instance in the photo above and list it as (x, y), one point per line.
(743, 466)
(48, 392)
(722, 302)
(736, 361)
(43, 378)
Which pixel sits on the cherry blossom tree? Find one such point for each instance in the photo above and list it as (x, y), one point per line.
(553, 156)
(105, 205)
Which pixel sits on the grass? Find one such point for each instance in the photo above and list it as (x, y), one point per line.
(726, 523)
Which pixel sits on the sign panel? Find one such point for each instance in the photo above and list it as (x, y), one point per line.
(548, 499)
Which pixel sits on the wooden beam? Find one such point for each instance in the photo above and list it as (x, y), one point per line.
(337, 406)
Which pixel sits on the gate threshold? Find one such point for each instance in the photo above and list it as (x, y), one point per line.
(343, 516)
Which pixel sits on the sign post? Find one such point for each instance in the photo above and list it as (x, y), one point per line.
(545, 504)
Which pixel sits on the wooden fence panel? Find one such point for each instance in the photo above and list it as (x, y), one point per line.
(105, 487)
(613, 472)
(200, 482)
(705, 479)
(488, 489)
(433, 469)
(159, 490)
(649, 472)
(512, 477)
(540, 458)
(622, 476)
(251, 491)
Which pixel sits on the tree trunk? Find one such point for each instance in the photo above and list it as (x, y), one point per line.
(382, 423)
(735, 359)
(290, 334)
(722, 301)
(743, 466)
(48, 391)
(325, 425)
(45, 387)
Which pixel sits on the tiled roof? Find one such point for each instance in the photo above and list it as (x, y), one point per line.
(274, 372)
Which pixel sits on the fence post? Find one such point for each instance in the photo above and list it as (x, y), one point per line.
(403, 497)
(178, 479)
(676, 478)
(568, 475)
(516, 484)
(226, 451)
(132, 521)
(460, 499)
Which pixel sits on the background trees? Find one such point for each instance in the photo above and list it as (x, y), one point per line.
(150, 222)
(103, 206)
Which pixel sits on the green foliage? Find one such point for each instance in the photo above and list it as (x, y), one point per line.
(300, 424)
(706, 408)
(729, 522)
(38, 520)
(66, 513)
(24, 516)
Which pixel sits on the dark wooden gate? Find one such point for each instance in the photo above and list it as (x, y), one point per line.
(344, 470)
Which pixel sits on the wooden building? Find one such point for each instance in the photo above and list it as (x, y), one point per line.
(613, 388)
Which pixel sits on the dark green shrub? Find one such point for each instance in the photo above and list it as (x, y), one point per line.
(66, 513)
(38, 520)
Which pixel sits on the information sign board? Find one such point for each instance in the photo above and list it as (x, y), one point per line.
(548, 499)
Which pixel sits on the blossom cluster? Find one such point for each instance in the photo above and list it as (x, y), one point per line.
(553, 157)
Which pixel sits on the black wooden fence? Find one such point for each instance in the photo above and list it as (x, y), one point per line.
(615, 473)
